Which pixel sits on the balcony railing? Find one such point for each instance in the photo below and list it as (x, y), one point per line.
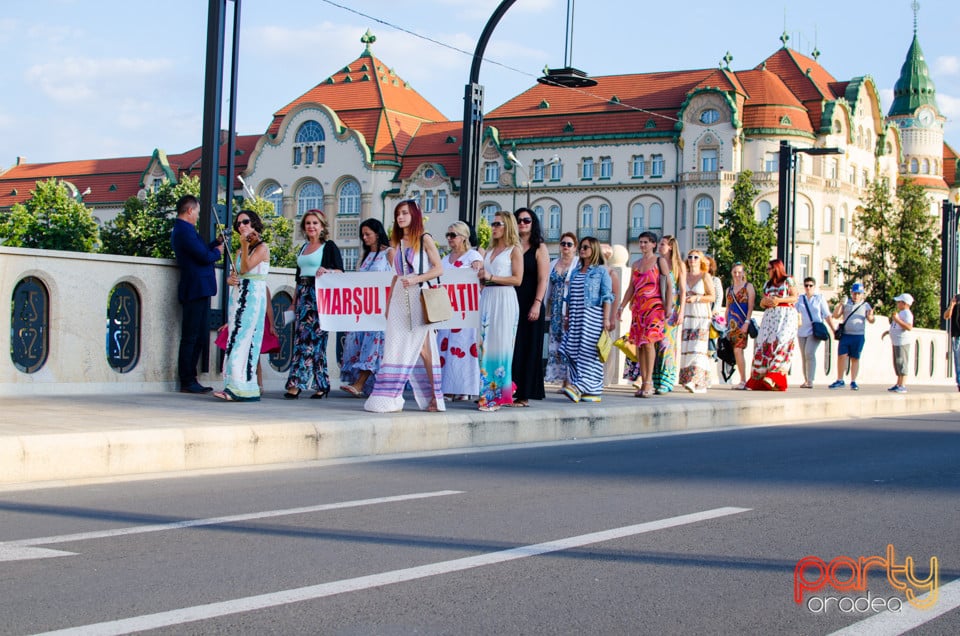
(553, 234)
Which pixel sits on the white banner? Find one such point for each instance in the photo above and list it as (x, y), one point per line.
(357, 301)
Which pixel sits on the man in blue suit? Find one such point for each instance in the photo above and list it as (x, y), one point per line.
(198, 283)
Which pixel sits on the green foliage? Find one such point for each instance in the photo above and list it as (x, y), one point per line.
(51, 219)
(898, 252)
(143, 227)
(741, 238)
(484, 232)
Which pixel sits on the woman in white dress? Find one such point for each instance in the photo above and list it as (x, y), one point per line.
(410, 347)
(695, 360)
(459, 351)
(499, 312)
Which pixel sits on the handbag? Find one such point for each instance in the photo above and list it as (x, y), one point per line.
(604, 345)
(435, 300)
(628, 348)
(820, 331)
(752, 329)
(838, 332)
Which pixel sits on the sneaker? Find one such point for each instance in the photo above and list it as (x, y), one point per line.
(894, 388)
(854, 386)
(901, 389)
(839, 384)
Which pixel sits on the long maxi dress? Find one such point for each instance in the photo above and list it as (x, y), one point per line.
(773, 349)
(499, 313)
(528, 346)
(647, 321)
(695, 360)
(556, 371)
(308, 367)
(588, 291)
(459, 349)
(245, 324)
(363, 350)
(667, 365)
(406, 332)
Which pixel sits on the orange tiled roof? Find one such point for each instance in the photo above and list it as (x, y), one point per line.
(949, 165)
(437, 143)
(371, 98)
(769, 99)
(806, 79)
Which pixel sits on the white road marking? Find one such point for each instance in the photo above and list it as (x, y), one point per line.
(909, 617)
(193, 523)
(296, 595)
(19, 553)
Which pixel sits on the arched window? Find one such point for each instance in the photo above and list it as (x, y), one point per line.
(914, 166)
(655, 220)
(925, 169)
(586, 219)
(764, 210)
(637, 220)
(803, 216)
(488, 210)
(309, 197)
(704, 212)
(603, 216)
(274, 194)
(349, 204)
(308, 145)
(555, 218)
(538, 210)
(828, 219)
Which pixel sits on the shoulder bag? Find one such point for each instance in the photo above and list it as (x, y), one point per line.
(838, 332)
(820, 331)
(435, 301)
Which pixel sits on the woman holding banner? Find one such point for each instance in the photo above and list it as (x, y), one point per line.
(499, 312)
(316, 257)
(410, 348)
(458, 347)
(362, 350)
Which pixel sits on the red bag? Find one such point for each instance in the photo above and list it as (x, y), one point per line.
(270, 344)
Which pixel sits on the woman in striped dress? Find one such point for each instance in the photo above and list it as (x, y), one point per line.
(589, 312)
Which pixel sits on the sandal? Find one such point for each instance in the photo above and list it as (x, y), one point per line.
(352, 390)
(489, 408)
(572, 393)
(223, 395)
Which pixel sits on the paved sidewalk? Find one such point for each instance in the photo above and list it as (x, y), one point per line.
(46, 438)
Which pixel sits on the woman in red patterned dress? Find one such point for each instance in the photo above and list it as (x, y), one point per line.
(644, 297)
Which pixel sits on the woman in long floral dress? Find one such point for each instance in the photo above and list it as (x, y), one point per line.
(561, 269)
(410, 347)
(774, 344)
(248, 309)
(667, 365)
(647, 315)
(695, 360)
(740, 300)
(459, 350)
(362, 350)
(499, 312)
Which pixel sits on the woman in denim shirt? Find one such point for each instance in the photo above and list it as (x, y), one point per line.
(589, 301)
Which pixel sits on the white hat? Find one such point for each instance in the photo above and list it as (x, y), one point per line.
(906, 298)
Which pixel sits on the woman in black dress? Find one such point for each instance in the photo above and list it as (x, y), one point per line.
(528, 347)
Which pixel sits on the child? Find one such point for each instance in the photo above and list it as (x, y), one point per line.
(901, 323)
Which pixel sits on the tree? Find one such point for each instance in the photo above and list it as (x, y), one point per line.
(143, 227)
(898, 251)
(51, 219)
(484, 232)
(741, 238)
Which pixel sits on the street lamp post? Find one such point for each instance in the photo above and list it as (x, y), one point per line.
(787, 199)
(948, 256)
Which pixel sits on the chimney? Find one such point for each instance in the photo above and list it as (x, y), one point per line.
(21, 161)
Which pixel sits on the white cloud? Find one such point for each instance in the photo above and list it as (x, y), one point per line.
(947, 65)
(82, 79)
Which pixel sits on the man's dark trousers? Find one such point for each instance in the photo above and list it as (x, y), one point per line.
(194, 328)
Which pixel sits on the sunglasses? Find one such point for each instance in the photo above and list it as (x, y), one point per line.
(525, 220)
(566, 244)
(585, 247)
(243, 222)
(693, 258)
(808, 285)
(452, 235)
(497, 224)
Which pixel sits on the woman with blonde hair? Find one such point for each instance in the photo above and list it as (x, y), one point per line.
(318, 256)
(459, 354)
(410, 345)
(666, 367)
(695, 360)
(499, 312)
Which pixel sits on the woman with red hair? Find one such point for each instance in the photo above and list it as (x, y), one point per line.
(410, 344)
(773, 348)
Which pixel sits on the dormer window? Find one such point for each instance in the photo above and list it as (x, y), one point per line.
(308, 146)
(709, 116)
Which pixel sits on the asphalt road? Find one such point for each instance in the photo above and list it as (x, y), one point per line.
(680, 534)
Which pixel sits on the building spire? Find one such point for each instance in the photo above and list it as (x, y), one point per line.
(916, 15)
(914, 88)
(368, 38)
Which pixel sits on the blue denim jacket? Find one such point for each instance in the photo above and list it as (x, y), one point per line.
(597, 286)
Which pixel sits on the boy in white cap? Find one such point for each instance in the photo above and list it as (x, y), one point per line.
(901, 323)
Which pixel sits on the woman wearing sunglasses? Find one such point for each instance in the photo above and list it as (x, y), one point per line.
(561, 270)
(499, 312)
(248, 309)
(459, 355)
(695, 360)
(528, 350)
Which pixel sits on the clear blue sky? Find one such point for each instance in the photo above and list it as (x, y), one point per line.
(110, 78)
